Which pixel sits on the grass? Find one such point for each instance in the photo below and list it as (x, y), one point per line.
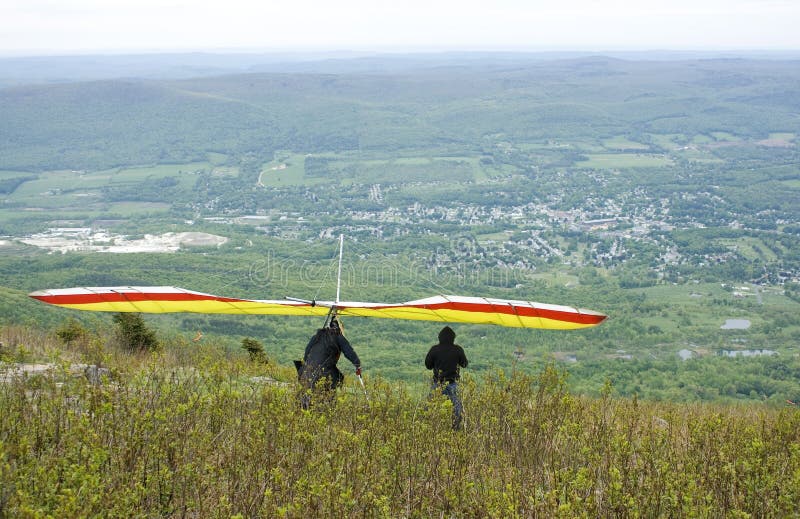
(701, 309)
(751, 248)
(725, 136)
(126, 175)
(702, 139)
(698, 155)
(73, 195)
(217, 158)
(225, 171)
(193, 432)
(689, 306)
(623, 143)
(54, 189)
(496, 237)
(557, 278)
(624, 160)
(348, 168)
(413, 169)
(668, 141)
(680, 294)
(288, 171)
(135, 208)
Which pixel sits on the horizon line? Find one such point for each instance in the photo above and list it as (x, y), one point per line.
(384, 50)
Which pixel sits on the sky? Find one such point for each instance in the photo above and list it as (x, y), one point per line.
(115, 26)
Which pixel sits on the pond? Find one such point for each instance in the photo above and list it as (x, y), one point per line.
(736, 324)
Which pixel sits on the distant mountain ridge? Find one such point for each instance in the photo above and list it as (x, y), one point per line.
(450, 100)
(16, 70)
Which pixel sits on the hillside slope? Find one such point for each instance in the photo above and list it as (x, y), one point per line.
(192, 431)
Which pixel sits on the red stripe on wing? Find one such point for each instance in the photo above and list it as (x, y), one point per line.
(508, 309)
(122, 297)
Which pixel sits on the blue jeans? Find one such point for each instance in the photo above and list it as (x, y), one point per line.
(450, 389)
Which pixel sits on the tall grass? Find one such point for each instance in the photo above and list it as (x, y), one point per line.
(191, 432)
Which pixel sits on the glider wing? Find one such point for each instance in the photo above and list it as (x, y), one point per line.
(451, 309)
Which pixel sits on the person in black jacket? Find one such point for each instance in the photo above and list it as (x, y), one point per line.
(445, 359)
(318, 370)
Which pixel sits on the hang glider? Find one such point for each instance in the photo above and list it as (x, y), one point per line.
(449, 309)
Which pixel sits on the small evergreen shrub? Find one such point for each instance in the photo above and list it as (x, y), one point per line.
(133, 334)
(255, 349)
(71, 331)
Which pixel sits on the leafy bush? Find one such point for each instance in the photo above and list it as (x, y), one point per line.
(70, 331)
(133, 334)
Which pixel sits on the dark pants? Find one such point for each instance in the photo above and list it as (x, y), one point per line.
(450, 390)
(320, 381)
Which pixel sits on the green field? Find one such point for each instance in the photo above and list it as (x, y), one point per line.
(702, 139)
(81, 195)
(61, 188)
(751, 249)
(345, 168)
(697, 154)
(669, 141)
(689, 308)
(725, 136)
(136, 208)
(217, 158)
(158, 171)
(624, 160)
(623, 143)
(695, 308)
(288, 171)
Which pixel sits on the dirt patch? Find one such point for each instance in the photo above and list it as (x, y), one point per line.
(85, 239)
(200, 239)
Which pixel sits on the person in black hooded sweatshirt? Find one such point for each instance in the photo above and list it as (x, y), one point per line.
(445, 359)
(318, 370)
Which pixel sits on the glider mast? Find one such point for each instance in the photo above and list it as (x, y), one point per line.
(333, 307)
(339, 275)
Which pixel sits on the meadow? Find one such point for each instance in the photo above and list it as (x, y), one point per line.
(624, 160)
(109, 193)
(198, 431)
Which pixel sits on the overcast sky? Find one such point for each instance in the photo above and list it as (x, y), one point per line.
(65, 26)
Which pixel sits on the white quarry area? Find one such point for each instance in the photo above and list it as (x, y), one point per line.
(85, 239)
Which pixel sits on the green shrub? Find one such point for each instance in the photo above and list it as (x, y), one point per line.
(255, 349)
(190, 432)
(133, 334)
(70, 331)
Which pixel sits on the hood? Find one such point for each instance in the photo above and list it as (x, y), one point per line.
(447, 335)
